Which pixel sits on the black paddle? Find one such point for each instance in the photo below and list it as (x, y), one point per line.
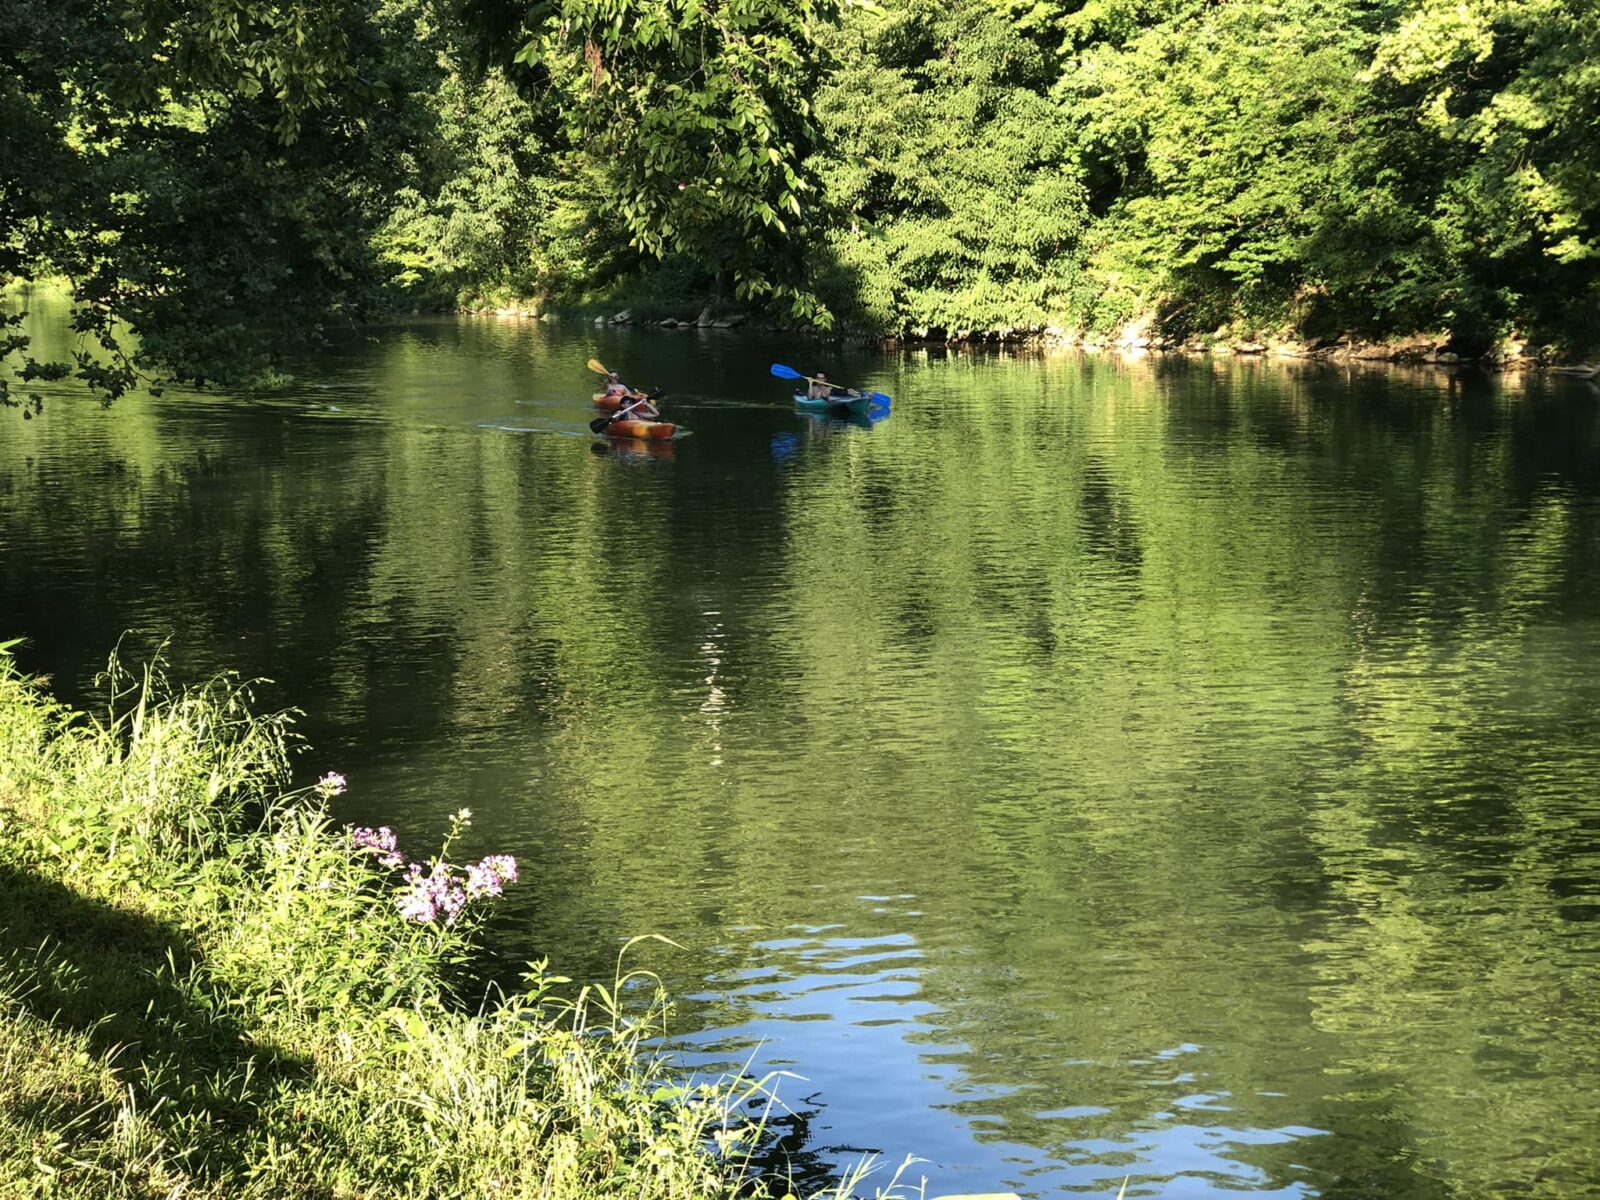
(598, 425)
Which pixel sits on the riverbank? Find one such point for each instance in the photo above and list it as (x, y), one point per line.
(212, 989)
(1509, 354)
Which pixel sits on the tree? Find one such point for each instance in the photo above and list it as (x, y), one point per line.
(1506, 95)
(201, 172)
(950, 171)
(697, 113)
(1216, 143)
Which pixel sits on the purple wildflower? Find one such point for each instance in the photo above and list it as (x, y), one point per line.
(380, 841)
(428, 897)
(332, 784)
(503, 865)
(416, 900)
(482, 883)
(489, 877)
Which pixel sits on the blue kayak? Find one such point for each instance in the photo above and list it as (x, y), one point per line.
(855, 404)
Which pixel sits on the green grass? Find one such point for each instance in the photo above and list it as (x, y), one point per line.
(207, 993)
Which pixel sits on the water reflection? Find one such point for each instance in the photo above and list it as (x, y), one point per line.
(1180, 771)
(882, 1027)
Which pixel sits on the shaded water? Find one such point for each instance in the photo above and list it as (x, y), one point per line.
(1186, 771)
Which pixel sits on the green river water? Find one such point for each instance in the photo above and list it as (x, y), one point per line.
(1186, 771)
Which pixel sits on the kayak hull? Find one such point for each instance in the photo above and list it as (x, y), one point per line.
(651, 431)
(835, 404)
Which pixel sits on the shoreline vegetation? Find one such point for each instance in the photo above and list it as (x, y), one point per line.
(211, 989)
(1510, 353)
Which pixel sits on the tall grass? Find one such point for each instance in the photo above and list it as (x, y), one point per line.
(208, 991)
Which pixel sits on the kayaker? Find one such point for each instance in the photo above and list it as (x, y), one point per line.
(820, 389)
(644, 411)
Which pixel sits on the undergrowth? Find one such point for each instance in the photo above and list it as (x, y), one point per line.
(209, 990)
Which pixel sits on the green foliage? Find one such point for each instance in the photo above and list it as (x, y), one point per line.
(205, 174)
(1369, 166)
(697, 112)
(1505, 96)
(1216, 143)
(475, 212)
(957, 203)
(1078, 24)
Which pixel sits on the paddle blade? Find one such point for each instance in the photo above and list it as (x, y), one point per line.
(880, 398)
(783, 372)
(599, 423)
(598, 367)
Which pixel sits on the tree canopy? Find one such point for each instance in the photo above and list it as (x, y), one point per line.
(218, 179)
(1370, 166)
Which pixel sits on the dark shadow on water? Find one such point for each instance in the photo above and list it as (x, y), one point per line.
(91, 968)
(790, 1157)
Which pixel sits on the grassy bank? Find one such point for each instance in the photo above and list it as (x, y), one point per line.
(210, 989)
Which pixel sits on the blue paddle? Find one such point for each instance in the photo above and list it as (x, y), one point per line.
(783, 372)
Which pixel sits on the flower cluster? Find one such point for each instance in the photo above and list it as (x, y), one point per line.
(489, 877)
(425, 898)
(441, 892)
(381, 842)
(332, 784)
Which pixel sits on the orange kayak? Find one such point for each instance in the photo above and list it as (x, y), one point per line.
(649, 430)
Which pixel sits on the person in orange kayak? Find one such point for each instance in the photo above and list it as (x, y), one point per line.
(644, 411)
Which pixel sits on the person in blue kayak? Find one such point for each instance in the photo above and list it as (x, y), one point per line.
(820, 389)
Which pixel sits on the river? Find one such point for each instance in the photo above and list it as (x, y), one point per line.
(1185, 771)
